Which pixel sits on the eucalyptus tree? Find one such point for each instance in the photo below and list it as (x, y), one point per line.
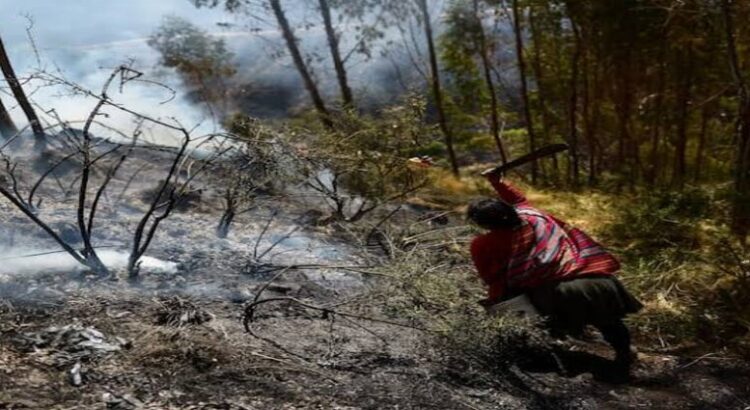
(20, 95)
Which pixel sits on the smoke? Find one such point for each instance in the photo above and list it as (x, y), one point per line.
(19, 261)
(84, 40)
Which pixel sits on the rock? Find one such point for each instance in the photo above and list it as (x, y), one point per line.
(74, 375)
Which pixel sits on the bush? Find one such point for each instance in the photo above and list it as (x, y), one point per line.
(661, 222)
(471, 346)
(362, 162)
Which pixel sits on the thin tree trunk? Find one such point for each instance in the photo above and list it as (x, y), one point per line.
(18, 93)
(338, 63)
(573, 106)
(524, 86)
(536, 66)
(487, 66)
(623, 107)
(741, 203)
(597, 150)
(7, 126)
(680, 161)
(653, 172)
(586, 108)
(436, 90)
(299, 63)
(705, 113)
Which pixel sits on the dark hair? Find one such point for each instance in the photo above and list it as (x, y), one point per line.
(493, 214)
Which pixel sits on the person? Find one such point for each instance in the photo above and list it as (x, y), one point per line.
(568, 277)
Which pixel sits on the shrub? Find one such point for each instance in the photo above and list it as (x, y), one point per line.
(471, 346)
(661, 222)
(362, 163)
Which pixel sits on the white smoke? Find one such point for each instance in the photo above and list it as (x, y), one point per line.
(24, 261)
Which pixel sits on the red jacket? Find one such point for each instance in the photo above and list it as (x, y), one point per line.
(544, 249)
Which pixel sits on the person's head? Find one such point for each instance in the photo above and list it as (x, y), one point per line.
(493, 214)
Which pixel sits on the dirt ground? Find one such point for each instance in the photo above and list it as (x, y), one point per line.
(177, 341)
(180, 353)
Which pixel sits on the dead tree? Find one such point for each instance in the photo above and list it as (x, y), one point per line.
(88, 199)
(18, 93)
(248, 174)
(299, 63)
(7, 127)
(437, 92)
(87, 256)
(338, 63)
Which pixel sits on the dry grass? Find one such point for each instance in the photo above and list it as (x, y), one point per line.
(668, 249)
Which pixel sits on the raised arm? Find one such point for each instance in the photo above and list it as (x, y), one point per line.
(506, 191)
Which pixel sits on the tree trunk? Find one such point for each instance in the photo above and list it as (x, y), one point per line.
(299, 63)
(741, 202)
(623, 107)
(7, 126)
(338, 63)
(686, 84)
(19, 94)
(436, 91)
(587, 122)
(536, 66)
(653, 172)
(524, 86)
(487, 66)
(573, 106)
(705, 114)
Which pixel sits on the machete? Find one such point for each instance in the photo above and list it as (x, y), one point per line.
(525, 159)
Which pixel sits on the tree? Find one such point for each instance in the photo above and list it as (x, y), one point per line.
(19, 94)
(437, 93)
(7, 126)
(741, 204)
(484, 54)
(338, 63)
(299, 63)
(204, 63)
(292, 45)
(518, 31)
(573, 104)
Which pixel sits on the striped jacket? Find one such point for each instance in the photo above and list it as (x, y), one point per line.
(544, 249)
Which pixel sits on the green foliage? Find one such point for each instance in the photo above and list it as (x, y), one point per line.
(203, 62)
(364, 160)
(680, 260)
(465, 91)
(661, 223)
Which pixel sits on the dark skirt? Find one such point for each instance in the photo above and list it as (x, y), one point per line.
(572, 304)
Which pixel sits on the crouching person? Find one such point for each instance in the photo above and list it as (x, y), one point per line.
(567, 276)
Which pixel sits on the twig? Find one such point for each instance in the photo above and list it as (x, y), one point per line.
(250, 311)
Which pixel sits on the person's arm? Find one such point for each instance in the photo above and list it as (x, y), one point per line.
(488, 268)
(506, 191)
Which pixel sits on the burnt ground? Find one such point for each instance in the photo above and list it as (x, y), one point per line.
(187, 353)
(176, 340)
